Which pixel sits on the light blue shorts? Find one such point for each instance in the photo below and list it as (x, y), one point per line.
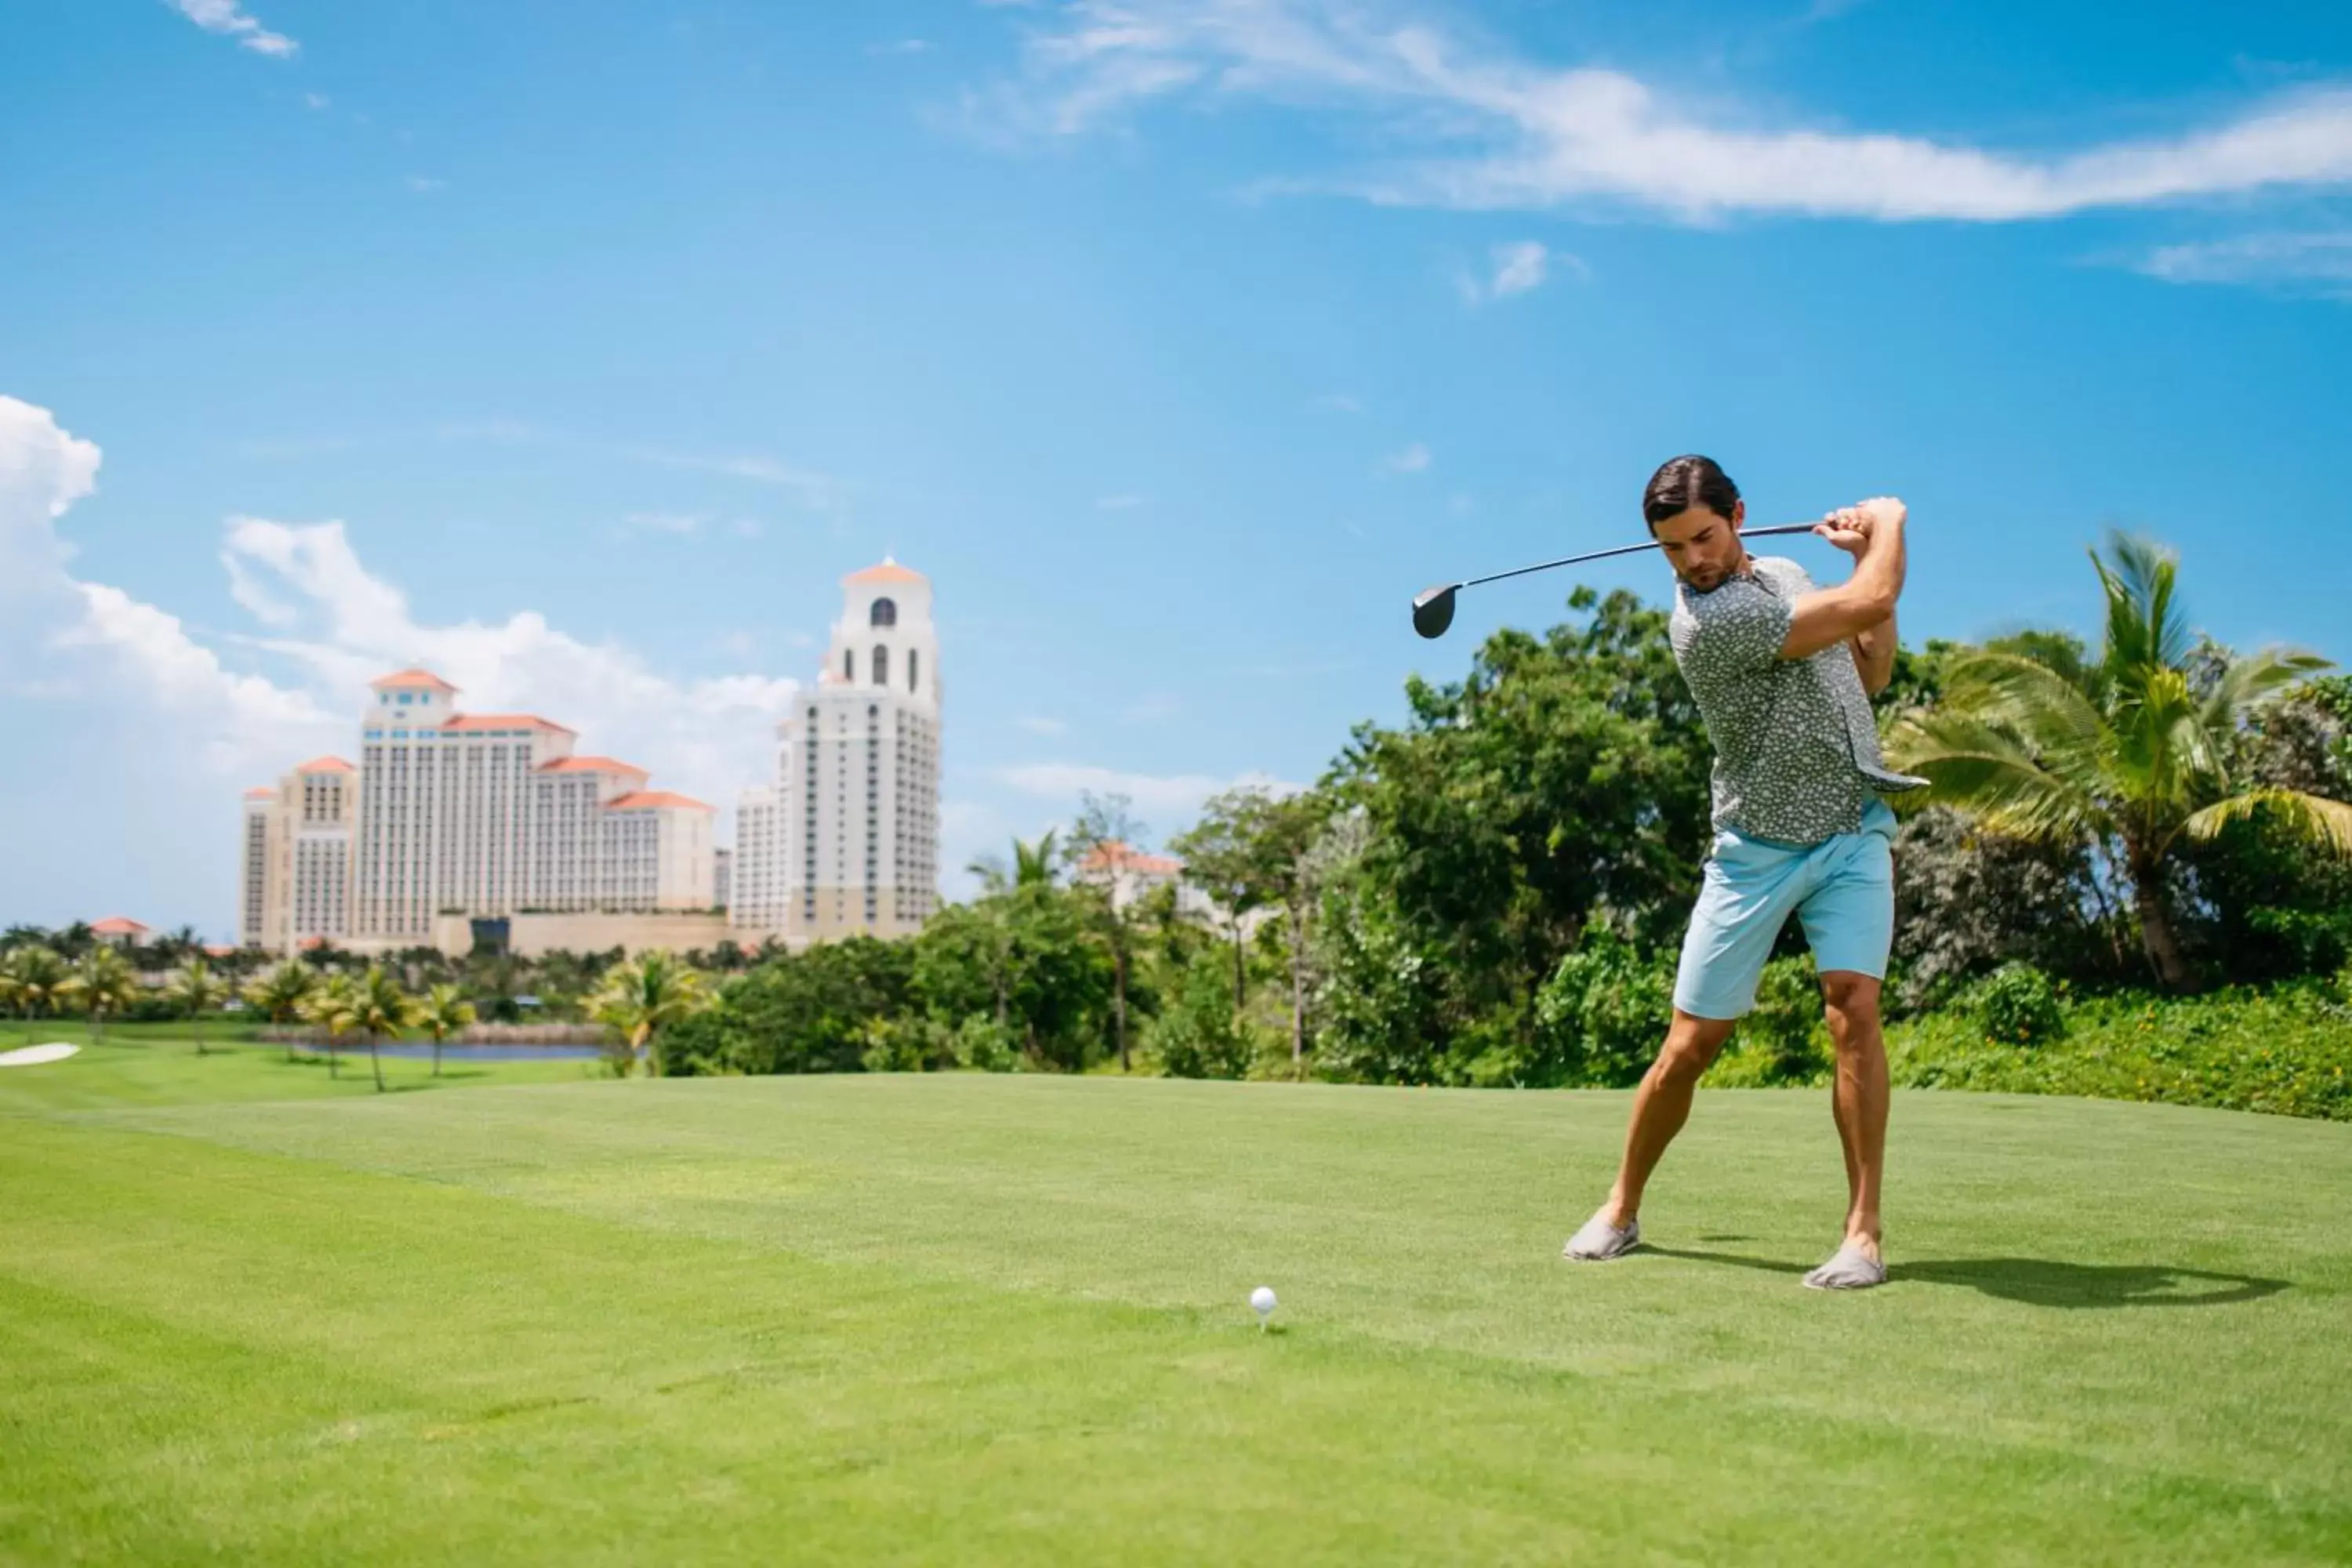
(1843, 888)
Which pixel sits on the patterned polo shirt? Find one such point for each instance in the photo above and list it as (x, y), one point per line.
(1796, 750)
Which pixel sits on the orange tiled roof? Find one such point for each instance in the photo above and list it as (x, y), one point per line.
(412, 678)
(888, 572)
(260, 791)
(591, 765)
(465, 721)
(656, 800)
(116, 925)
(326, 765)
(1127, 858)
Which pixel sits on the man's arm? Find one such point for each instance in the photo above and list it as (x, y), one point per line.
(1873, 534)
(1873, 656)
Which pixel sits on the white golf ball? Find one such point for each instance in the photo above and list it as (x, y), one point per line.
(1262, 1301)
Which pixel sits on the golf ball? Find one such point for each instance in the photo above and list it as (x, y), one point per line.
(1262, 1301)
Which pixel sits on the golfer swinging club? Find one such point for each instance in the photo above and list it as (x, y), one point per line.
(1781, 670)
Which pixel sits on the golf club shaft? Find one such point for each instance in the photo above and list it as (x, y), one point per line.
(1631, 549)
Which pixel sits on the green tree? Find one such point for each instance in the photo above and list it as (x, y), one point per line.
(443, 1013)
(195, 990)
(35, 980)
(329, 1006)
(1097, 849)
(279, 995)
(101, 985)
(1032, 865)
(378, 1006)
(1564, 779)
(2130, 754)
(816, 1011)
(642, 995)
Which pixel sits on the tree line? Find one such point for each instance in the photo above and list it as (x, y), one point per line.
(1493, 890)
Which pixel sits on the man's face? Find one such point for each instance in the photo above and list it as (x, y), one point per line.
(1702, 548)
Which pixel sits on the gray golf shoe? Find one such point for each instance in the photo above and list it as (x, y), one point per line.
(1849, 1268)
(1600, 1241)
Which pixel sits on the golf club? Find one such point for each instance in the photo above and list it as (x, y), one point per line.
(1432, 608)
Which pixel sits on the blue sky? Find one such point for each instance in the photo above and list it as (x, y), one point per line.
(578, 350)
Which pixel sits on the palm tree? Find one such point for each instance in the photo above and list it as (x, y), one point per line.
(380, 1007)
(1033, 864)
(36, 980)
(278, 995)
(443, 1013)
(195, 990)
(101, 985)
(328, 1006)
(642, 995)
(2129, 754)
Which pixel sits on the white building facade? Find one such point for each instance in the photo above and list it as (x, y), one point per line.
(846, 840)
(449, 812)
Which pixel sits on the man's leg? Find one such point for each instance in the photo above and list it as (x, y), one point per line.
(1858, 1100)
(1661, 1105)
(1850, 921)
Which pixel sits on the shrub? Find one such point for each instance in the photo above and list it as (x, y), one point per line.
(1600, 1016)
(981, 1043)
(2018, 1004)
(1197, 1037)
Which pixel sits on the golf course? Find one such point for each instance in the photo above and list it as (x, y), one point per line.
(522, 1314)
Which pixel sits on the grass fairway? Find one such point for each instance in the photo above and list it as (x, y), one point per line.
(967, 1318)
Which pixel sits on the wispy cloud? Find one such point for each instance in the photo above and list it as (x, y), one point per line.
(2320, 262)
(820, 492)
(901, 47)
(1413, 459)
(1117, 503)
(1341, 402)
(230, 19)
(1164, 797)
(425, 187)
(1547, 135)
(316, 100)
(1519, 268)
(1037, 725)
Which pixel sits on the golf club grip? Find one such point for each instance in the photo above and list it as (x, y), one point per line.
(1632, 550)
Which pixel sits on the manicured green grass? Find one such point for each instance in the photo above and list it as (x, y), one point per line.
(968, 1318)
(157, 1064)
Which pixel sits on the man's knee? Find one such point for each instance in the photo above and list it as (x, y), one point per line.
(1850, 1000)
(1692, 1044)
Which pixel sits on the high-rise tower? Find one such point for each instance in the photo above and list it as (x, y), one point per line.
(848, 840)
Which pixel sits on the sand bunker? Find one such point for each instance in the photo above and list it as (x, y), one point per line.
(34, 1056)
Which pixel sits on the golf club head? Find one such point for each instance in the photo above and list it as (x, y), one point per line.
(1433, 611)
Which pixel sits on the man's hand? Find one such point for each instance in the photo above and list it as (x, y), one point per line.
(1854, 528)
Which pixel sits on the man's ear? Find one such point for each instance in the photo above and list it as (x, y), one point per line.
(1738, 515)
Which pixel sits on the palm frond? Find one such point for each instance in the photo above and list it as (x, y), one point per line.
(1993, 776)
(2144, 625)
(2326, 824)
(2041, 704)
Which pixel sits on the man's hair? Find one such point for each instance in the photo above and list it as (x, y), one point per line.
(1682, 483)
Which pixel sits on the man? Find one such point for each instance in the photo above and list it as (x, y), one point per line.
(1783, 673)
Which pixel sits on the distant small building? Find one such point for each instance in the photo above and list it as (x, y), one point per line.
(118, 931)
(1132, 875)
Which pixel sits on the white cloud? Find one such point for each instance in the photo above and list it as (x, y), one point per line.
(1170, 799)
(2319, 261)
(246, 705)
(1415, 458)
(1039, 726)
(231, 20)
(819, 492)
(425, 187)
(1117, 503)
(1341, 402)
(901, 47)
(1516, 268)
(316, 100)
(1543, 135)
